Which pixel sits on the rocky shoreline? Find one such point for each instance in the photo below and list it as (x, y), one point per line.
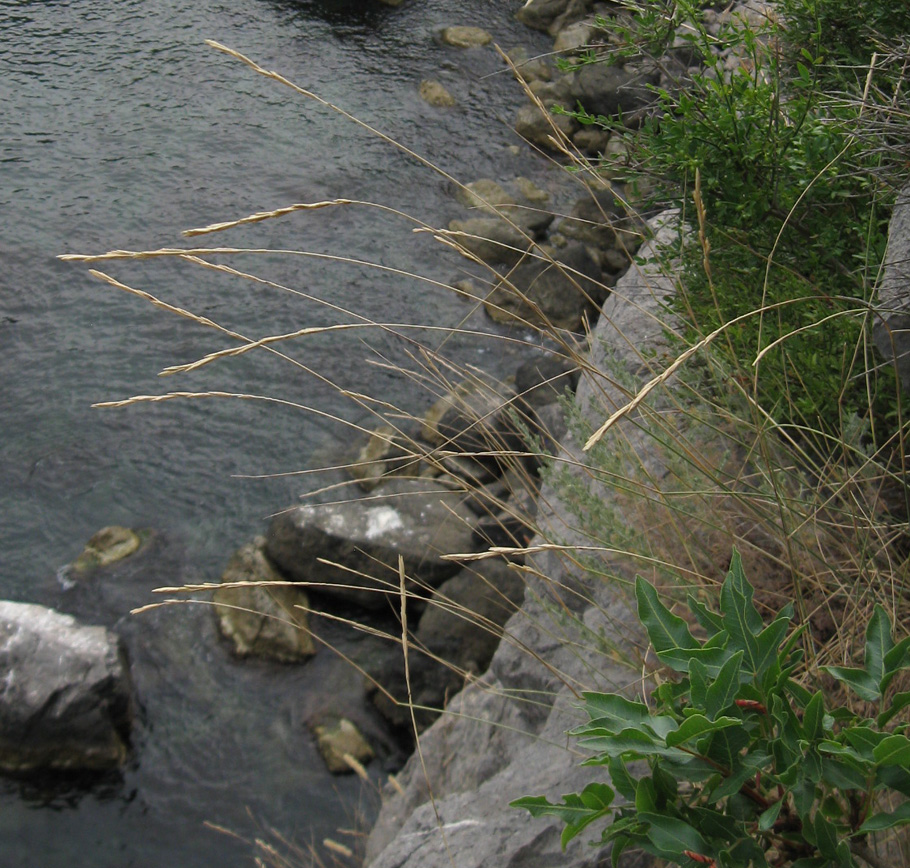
(502, 644)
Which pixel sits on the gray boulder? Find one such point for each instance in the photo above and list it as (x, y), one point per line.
(66, 693)
(350, 549)
(454, 641)
(476, 418)
(490, 239)
(609, 90)
(892, 325)
(548, 15)
(558, 293)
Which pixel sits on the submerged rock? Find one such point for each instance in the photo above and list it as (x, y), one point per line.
(435, 94)
(350, 550)
(490, 239)
(65, 695)
(106, 547)
(465, 37)
(260, 619)
(338, 739)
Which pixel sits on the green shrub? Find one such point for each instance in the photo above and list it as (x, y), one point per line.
(792, 202)
(744, 765)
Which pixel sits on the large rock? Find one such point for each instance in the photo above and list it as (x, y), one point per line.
(546, 15)
(477, 417)
(505, 734)
(261, 616)
(490, 239)
(600, 220)
(559, 293)
(537, 127)
(350, 549)
(525, 208)
(892, 325)
(65, 695)
(610, 90)
(454, 641)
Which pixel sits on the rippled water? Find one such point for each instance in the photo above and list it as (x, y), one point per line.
(120, 128)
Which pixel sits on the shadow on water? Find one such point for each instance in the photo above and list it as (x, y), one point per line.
(342, 15)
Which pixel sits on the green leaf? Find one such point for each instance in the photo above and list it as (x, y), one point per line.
(894, 750)
(843, 775)
(624, 783)
(878, 822)
(864, 740)
(898, 704)
(859, 680)
(768, 817)
(672, 837)
(825, 835)
(878, 644)
(679, 659)
(697, 725)
(711, 622)
(744, 623)
(613, 713)
(619, 845)
(813, 718)
(630, 744)
(894, 777)
(645, 796)
(667, 632)
(698, 684)
(725, 687)
(577, 811)
(898, 657)
(714, 825)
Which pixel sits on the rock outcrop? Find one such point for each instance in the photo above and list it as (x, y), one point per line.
(65, 696)
(504, 735)
(892, 326)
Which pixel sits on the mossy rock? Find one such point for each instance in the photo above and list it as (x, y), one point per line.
(108, 546)
(337, 739)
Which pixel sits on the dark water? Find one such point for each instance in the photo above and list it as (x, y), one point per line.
(118, 129)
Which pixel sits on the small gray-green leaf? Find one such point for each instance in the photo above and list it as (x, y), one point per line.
(725, 687)
(878, 644)
(697, 725)
(862, 683)
(671, 836)
(877, 822)
(767, 818)
(893, 751)
(665, 630)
